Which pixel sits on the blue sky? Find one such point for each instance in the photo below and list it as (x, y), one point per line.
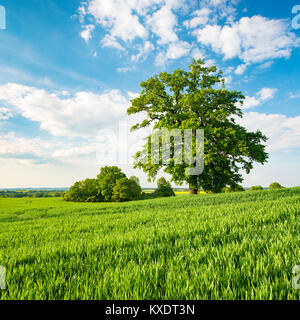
(69, 69)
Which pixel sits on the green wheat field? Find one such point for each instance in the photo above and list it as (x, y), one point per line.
(225, 246)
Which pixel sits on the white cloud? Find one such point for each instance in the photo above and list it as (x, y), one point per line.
(161, 59)
(227, 80)
(250, 102)
(24, 150)
(40, 151)
(178, 49)
(79, 115)
(118, 17)
(283, 132)
(143, 52)
(266, 93)
(5, 114)
(253, 40)
(263, 95)
(86, 33)
(126, 21)
(157, 23)
(223, 40)
(110, 41)
(241, 69)
(162, 23)
(197, 54)
(124, 69)
(266, 65)
(201, 17)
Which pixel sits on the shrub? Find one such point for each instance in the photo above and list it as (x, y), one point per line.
(233, 189)
(126, 190)
(255, 188)
(84, 191)
(164, 189)
(275, 185)
(110, 185)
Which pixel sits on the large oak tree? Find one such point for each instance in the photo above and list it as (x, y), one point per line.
(198, 99)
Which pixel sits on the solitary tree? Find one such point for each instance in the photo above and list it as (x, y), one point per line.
(197, 99)
(275, 185)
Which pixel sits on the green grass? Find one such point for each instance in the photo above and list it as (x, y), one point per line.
(228, 246)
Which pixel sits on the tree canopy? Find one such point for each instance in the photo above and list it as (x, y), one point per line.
(107, 179)
(126, 190)
(198, 99)
(164, 188)
(275, 185)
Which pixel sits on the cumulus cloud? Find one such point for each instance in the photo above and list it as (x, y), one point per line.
(283, 131)
(178, 49)
(118, 17)
(86, 33)
(110, 41)
(125, 21)
(241, 69)
(143, 51)
(51, 151)
(263, 95)
(250, 102)
(253, 40)
(5, 114)
(162, 23)
(23, 149)
(79, 115)
(200, 17)
(124, 69)
(266, 93)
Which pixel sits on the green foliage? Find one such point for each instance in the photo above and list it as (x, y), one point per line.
(256, 188)
(236, 188)
(30, 193)
(275, 185)
(164, 189)
(220, 246)
(111, 185)
(84, 191)
(197, 99)
(107, 179)
(126, 190)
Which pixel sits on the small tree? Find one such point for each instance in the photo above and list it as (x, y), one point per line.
(275, 185)
(84, 191)
(107, 179)
(126, 190)
(164, 188)
(256, 188)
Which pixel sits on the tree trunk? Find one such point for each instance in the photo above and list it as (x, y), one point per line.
(193, 190)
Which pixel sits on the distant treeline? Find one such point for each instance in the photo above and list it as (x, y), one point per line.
(30, 193)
